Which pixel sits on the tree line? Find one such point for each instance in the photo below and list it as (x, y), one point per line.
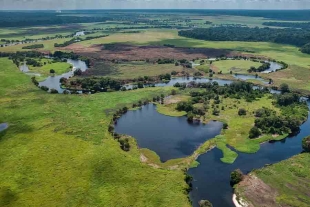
(296, 37)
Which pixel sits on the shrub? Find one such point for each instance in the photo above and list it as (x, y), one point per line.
(205, 203)
(225, 126)
(236, 177)
(52, 71)
(284, 88)
(242, 112)
(190, 117)
(173, 92)
(54, 90)
(254, 132)
(44, 88)
(306, 144)
(77, 72)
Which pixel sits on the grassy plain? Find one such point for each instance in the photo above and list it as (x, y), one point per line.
(57, 151)
(59, 67)
(236, 66)
(141, 69)
(287, 183)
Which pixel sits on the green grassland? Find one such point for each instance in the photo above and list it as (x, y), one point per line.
(289, 178)
(57, 151)
(48, 46)
(59, 67)
(236, 66)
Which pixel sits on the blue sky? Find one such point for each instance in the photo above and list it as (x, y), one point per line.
(154, 4)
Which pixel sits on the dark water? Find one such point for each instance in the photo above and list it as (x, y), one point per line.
(3, 126)
(52, 82)
(211, 177)
(169, 137)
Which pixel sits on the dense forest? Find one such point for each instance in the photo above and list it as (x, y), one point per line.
(22, 19)
(299, 25)
(296, 37)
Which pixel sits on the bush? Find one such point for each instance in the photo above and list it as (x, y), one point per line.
(173, 92)
(44, 88)
(306, 144)
(77, 72)
(284, 88)
(236, 177)
(52, 71)
(242, 112)
(190, 117)
(254, 132)
(54, 91)
(225, 126)
(205, 203)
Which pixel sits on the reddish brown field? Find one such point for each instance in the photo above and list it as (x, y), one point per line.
(131, 52)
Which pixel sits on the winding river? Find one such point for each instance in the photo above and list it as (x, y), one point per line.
(52, 82)
(174, 137)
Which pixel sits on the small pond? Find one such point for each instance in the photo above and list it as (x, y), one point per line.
(169, 137)
(3, 126)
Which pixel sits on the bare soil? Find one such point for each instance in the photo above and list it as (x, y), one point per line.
(133, 52)
(257, 193)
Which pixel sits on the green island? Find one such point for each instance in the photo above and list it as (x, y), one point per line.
(58, 142)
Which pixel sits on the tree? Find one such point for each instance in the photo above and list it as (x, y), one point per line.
(254, 132)
(205, 203)
(78, 72)
(190, 117)
(284, 88)
(236, 177)
(242, 112)
(52, 71)
(306, 144)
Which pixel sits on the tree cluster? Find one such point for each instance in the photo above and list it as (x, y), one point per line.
(35, 46)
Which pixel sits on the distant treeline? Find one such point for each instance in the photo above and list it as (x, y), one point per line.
(23, 19)
(296, 37)
(36, 46)
(301, 25)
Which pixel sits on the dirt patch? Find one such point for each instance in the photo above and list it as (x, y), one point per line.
(257, 193)
(145, 160)
(132, 52)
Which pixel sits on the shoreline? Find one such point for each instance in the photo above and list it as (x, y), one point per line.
(236, 202)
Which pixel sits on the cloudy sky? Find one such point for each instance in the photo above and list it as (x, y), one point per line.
(154, 4)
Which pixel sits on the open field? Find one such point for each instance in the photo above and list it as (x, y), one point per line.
(59, 67)
(282, 184)
(236, 66)
(130, 70)
(57, 151)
